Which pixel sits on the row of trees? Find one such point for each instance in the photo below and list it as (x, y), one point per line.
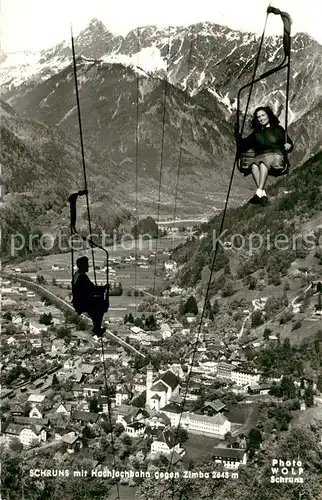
(146, 323)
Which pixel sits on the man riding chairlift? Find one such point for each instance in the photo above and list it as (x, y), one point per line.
(87, 297)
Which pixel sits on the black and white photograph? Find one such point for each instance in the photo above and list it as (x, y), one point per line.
(161, 250)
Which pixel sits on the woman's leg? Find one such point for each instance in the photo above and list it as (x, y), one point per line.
(255, 170)
(255, 174)
(263, 174)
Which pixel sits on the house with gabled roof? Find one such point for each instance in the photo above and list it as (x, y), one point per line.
(35, 327)
(91, 389)
(213, 407)
(17, 410)
(165, 443)
(121, 396)
(65, 407)
(85, 417)
(77, 390)
(132, 413)
(59, 433)
(88, 369)
(172, 411)
(111, 352)
(35, 412)
(159, 421)
(139, 384)
(73, 442)
(35, 399)
(12, 341)
(76, 375)
(12, 431)
(134, 428)
(49, 382)
(231, 458)
(31, 420)
(26, 434)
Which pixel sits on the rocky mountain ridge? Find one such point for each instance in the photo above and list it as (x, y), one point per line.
(196, 57)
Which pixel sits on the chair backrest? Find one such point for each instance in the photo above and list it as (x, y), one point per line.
(246, 159)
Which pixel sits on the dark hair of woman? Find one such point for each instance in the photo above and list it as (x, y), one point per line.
(273, 120)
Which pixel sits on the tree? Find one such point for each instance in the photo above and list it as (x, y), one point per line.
(309, 396)
(181, 434)
(82, 324)
(288, 387)
(208, 309)
(254, 440)
(16, 445)
(296, 325)
(11, 329)
(228, 289)
(146, 226)
(46, 319)
(93, 404)
(252, 283)
(63, 332)
(286, 316)
(126, 439)
(118, 429)
(71, 317)
(319, 383)
(88, 433)
(228, 438)
(138, 322)
(267, 333)
(215, 307)
(150, 323)
(200, 402)
(227, 270)
(257, 318)
(191, 306)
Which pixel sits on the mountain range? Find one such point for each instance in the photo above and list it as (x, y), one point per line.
(153, 100)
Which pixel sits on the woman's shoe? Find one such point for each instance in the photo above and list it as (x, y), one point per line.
(255, 200)
(264, 200)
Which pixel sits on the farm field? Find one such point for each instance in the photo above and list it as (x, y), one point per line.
(198, 447)
(131, 276)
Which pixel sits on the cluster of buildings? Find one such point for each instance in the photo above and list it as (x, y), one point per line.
(162, 414)
(150, 407)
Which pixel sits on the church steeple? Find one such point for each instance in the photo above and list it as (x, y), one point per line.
(149, 376)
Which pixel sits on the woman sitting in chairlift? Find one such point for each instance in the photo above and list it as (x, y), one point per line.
(267, 141)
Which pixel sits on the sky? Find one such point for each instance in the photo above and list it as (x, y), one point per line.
(40, 24)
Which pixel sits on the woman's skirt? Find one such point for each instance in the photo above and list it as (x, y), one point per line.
(275, 162)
